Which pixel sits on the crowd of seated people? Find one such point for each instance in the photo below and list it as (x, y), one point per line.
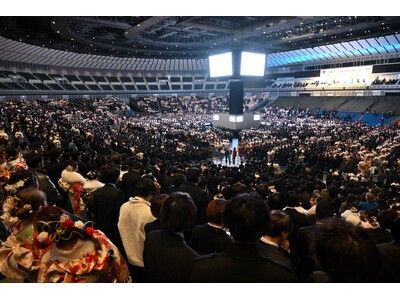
(384, 81)
(302, 167)
(318, 82)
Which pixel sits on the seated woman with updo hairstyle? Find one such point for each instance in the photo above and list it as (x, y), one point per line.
(74, 252)
(18, 258)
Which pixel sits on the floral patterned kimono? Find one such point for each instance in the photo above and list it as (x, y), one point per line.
(89, 261)
(72, 182)
(18, 258)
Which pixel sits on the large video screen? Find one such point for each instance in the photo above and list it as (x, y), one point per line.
(220, 65)
(252, 64)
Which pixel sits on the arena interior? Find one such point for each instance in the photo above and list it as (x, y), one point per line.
(136, 92)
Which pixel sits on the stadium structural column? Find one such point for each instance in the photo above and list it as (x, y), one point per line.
(236, 97)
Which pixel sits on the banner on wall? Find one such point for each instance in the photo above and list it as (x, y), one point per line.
(347, 76)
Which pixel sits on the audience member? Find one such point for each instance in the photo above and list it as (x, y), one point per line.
(133, 216)
(18, 259)
(167, 257)
(35, 162)
(105, 206)
(274, 244)
(75, 252)
(246, 218)
(211, 237)
(156, 203)
(390, 252)
(72, 182)
(346, 253)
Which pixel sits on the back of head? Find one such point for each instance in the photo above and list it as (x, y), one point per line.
(385, 218)
(192, 175)
(145, 187)
(178, 179)
(93, 175)
(324, 209)
(292, 199)
(19, 180)
(345, 251)
(280, 222)
(247, 218)
(47, 214)
(34, 159)
(369, 196)
(135, 165)
(156, 203)
(30, 201)
(110, 175)
(234, 189)
(60, 227)
(215, 211)
(177, 212)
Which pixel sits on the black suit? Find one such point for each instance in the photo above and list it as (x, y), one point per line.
(380, 235)
(128, 184)
(167, 258)
(298, 220)
(47, 186)
(166, 183)
(151, 226)
(206, 239)
(275, 254)
(107, 202)
(303, 255)
(200, 198)
(390, 253)
(54, 170)
(239, 263)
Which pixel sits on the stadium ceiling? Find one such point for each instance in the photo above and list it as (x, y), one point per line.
(192, 37)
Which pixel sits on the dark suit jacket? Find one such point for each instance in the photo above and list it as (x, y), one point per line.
(239, 263)
(47, 186)
(380, 235)
(275, 254)
(151, 226)
(168, 181)
(167, 258)
(298, 220)
(199, 197)
(128, 184)
(107, 202)
(206, 239)
(390, 253)
(303, 254)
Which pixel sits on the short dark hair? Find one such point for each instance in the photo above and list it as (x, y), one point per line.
(156, 203)
(247, 218)
(385, 218)
(324, 209)
(178, 179)
(231, 190)
(344, 251)
(110, 175)
(145, 187)
(193, 174)
(215, 211)
(33, 159)
(292, 198)
(177, 212)
(280, 222)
